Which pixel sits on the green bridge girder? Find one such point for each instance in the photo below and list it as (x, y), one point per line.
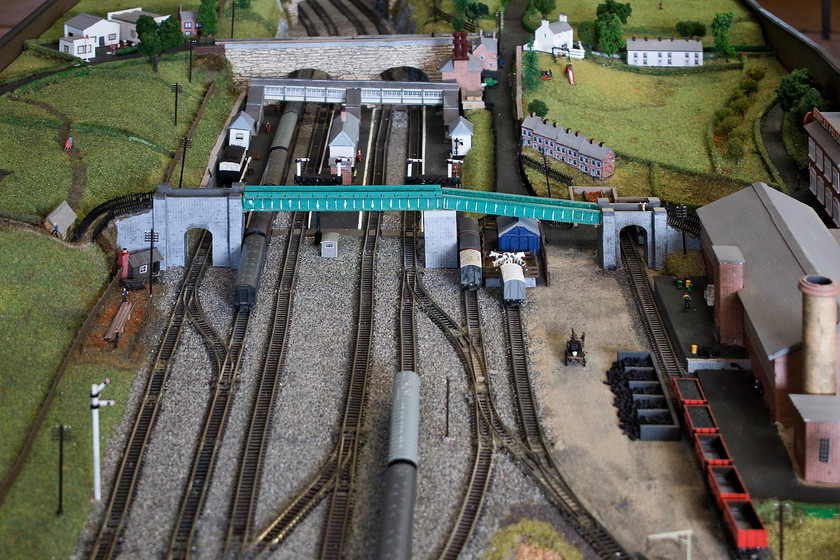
(387, 198)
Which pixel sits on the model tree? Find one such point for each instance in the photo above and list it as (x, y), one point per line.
(538, 107)
(156, 39)
(208, 17)
(793, 87)
(588, 33)
(610, 7)
(530, 69)
(476, 10)
(720, 31)
(810, 100)
(544, 7)
(244, 4)
(609, 32)
(690, 29)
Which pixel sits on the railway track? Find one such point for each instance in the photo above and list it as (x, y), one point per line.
(246, 490)
(658, 336)
(408, 336)
(204, 458)
(317, 149)
(415, 133)
(321, 14)
(376, 172)
(105, 543)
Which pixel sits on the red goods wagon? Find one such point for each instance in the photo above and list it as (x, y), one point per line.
(711, 450)
(689, 391)
(700, 419)
(726, 484)
(744, 524)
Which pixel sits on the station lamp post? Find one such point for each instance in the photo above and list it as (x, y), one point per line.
(95, 403)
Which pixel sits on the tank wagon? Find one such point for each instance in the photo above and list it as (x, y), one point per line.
(469, 252)
(513, 284)
(401, 476)
(257, 233)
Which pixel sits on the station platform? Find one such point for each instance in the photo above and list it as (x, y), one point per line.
(753, 439)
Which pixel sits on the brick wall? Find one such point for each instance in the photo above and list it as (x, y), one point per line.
(729, 279)
(349, 58)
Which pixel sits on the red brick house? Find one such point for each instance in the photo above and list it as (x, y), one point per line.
(596, 160)
(824, 153)
(759, 245)
(189, 22)
(464, 67)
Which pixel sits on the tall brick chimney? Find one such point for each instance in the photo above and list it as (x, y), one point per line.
(819, 334)
(461, 50)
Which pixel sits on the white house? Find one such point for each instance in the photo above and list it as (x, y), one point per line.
(241, 130)
(461, 131)
(83, 47)
(664, 52)
(102, 31)
(549, 36)
(127, 20)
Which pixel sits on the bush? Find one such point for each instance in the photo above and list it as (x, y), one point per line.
(588, 33)
(793, 87)
(691, 29)
(539, 107)
(756, 73)
(740, 133)
(736, 96)
(734, 149)
(812, 99)
(740, 106)
(723, 113)
(749, 86)
(727, 125)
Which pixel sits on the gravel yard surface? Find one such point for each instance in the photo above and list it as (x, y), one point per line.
(634, 488)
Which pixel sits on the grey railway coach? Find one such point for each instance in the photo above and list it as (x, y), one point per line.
(469, 253)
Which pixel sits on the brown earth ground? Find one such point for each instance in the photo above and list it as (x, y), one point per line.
(635, 488)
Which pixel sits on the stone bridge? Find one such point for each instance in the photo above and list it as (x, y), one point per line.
(350, 58)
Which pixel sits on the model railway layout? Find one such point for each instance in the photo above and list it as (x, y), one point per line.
(128, 473)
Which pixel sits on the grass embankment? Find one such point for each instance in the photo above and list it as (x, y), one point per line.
(424, 16)
(653, 119)
(122, 122)
(810, 530)
(648, 20)
(479, 173)
(260, 20)
(46, 290)
(29, 63)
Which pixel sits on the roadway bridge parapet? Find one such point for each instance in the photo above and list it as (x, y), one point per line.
(352, 58)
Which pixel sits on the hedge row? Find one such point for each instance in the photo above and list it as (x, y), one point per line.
(40, 47)
(117, 133)
(669, 71)
(682, 171)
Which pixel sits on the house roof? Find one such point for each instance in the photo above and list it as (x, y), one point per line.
(243, 121)
(817, 408)
(460, 127)
(679, 45)
(504, 224)
(77, 39)
(821, 136)
(139, 258)
(491, 44)
(188, 15)
(560, 27)
(473, 64)
(131, 17)
(559, 134)
(345, 133)
(781, 240)
(83, 21)
(63, 216)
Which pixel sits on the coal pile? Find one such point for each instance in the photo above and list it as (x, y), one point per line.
(638, 395)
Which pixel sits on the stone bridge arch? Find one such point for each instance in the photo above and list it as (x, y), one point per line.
(350, 58)
(652, 221)
(178, 211)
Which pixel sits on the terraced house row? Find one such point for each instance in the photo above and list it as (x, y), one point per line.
(594, 159)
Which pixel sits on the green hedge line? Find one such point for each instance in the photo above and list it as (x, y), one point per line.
(112, 132)
(677, 169)
(660, 71)
(40, 47)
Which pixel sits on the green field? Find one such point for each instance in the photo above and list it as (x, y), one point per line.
(46, 291)
(122, 121)
(260, 20)
(648, 20)
(479, 172)
(656, 118)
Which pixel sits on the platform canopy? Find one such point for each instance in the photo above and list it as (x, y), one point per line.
(331, 198)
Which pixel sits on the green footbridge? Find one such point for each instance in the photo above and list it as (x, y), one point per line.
(396, 198)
